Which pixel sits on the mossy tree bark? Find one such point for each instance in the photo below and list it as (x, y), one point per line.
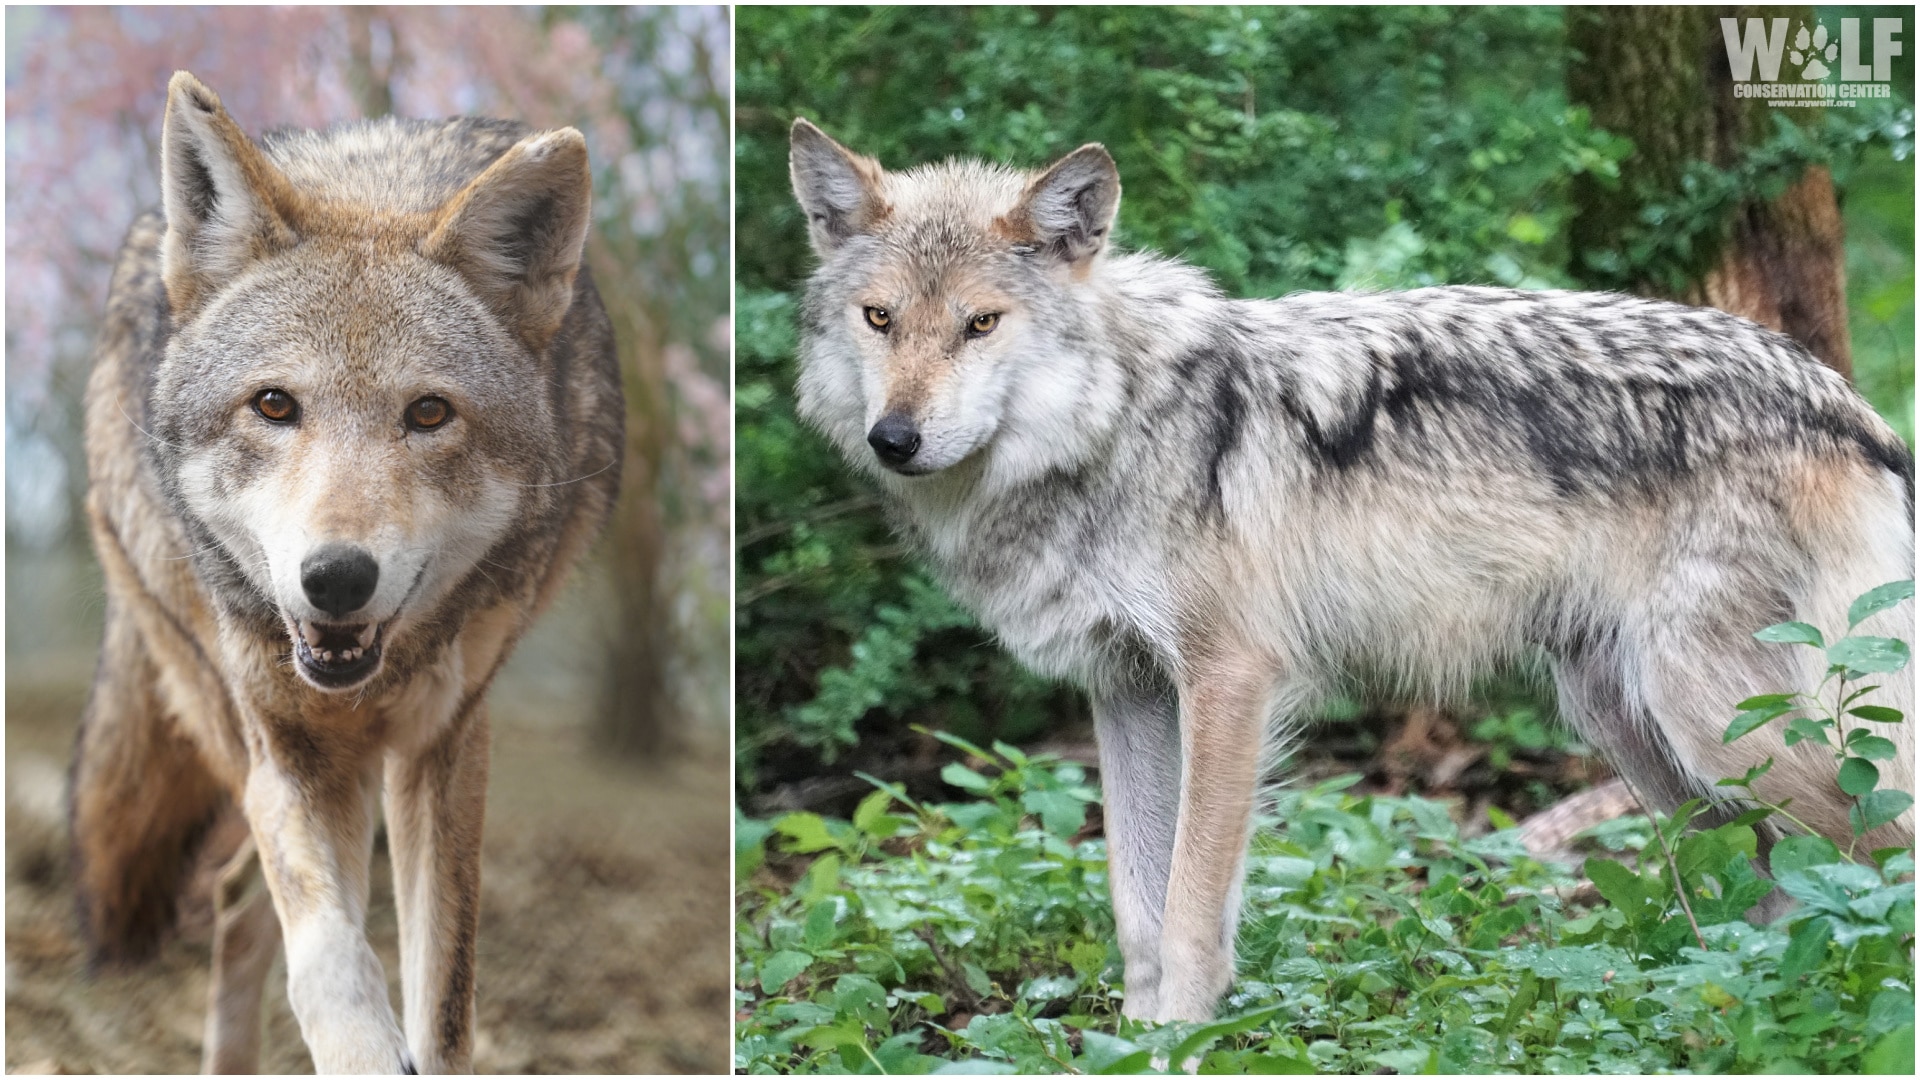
(1660, 77)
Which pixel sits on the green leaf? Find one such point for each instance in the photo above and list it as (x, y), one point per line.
(966, 779)
(956, 741)
(1753, 774)
(1892, 1008)
(1871, 747)
(1101, 1052)
(1869, 654)
(1858, 776)
(1807, 947)
(1874, 601)
(1621, 886)
(1792, 633)
(749, 844)
(896, 790)
(1806, 729)
(1892, 1055)
(806, 833)
(1879, 714)
(1060, 813)
(1751, 720)
(782, 968)
(1876, 808)
(1207, 1033)
(871, 810)
(1764, 700)
(819, 932)
(976, 976)
(1796, 853)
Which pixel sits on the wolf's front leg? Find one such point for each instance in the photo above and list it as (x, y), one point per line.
(312, 819)
(436, 799)
(1223, 704)
(1138, 728)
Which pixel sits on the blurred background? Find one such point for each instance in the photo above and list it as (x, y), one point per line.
(1283, 149)
(601, 948)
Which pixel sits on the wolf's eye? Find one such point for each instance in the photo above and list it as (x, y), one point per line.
(879, 318)
(428, 413)
(277, 406)
(982, 325)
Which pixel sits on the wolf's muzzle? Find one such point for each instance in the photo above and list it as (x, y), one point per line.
(339, 578)
(895, 439)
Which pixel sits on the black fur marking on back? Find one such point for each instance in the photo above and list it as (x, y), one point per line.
(1226, 418)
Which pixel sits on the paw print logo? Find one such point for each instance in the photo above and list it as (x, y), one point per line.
(1808, 49)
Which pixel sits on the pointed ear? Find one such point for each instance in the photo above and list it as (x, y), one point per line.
(517, 231)
(1069, 210)
(838, 189)
(226, 204)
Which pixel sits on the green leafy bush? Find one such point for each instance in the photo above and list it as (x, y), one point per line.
(1377, 934)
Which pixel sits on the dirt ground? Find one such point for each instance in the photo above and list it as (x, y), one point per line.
(604, 936)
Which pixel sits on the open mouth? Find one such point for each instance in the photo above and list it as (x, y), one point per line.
(335, 656)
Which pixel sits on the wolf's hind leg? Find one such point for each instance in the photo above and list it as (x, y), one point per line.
(1597, 701)
(139, 802)
(1662, 750)
(246, 938)
(1138, 729)
(1224, 703)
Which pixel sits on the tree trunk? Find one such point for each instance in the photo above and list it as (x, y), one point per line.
(636, 714)
(1660, 77)
(371, 54)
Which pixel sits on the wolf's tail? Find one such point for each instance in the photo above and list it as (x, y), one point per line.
(1855, 552)
(139, 802)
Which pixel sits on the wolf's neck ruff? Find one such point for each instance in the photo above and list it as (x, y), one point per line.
(1210, 511)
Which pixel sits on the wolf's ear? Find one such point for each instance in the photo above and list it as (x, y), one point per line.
(516, 232)
(1069, 210)
(226, 204)
(838, 189)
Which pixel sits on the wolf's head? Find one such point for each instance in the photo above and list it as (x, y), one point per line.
(942, 316)
(353, 405)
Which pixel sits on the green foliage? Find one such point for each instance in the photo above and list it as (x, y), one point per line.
(1813, 717)
(976, 936)
(1878, 213)
(1676, 236)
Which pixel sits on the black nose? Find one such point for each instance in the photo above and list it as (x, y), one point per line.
(339, 578)
(895, 439)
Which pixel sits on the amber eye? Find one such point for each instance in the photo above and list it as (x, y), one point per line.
(277, 406)
(982, 325)
(879, 318)
(428, 413)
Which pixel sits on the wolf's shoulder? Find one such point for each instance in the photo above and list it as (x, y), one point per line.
(391, 163)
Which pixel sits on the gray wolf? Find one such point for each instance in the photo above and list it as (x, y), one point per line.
(354, 413)
(1211, 513)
